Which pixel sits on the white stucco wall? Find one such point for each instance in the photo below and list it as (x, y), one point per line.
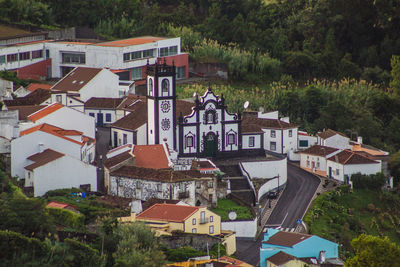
(257, 141)
(350, 169)
(65, 172)
(141, 135)
(313, 159)
(89, 111)
(336, 141)
(243, 229)
(311, 140)
(5, 50)
(120, 139)
(104, 84)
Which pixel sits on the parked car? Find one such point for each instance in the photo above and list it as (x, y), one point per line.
(272, 194)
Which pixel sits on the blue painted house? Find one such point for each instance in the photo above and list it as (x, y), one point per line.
(297, 245)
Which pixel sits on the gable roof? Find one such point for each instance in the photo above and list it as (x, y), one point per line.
(25, 111)
(117, 159)
(266, 123)
(131, 41)
(76, 79)
(103, 103)
(280, 258)
(59, 205)
(286, 239)
(33, 86)
(45, 111)
(347, 157)
(168, 212)
(128, 100)
(151, 201)
(151, 156)
(43, 158)
(318, 150)
(329, 133)
(59, 132)
(36, 97)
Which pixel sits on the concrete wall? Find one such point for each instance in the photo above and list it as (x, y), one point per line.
(104, 84)
(336, 141)
(89, 111)
(243, 229)
(339, 171)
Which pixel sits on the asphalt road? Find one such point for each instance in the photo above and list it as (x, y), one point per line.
(292, 204)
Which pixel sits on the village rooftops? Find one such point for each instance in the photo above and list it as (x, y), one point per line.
(347, 157)
(168, 212)
(36, 97)
(103, 103)
(280, 258)
(62, 133)
(318, 150)
(159, 175)
(33, 86)
(131, 41)
(329, 133)
(43, 158)
(25, 111)
(76, 79)
(45, 111)
(286, 239)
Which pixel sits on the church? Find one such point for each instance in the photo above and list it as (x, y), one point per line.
(206, 130)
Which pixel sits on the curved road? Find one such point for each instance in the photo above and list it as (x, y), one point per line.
(292, 204)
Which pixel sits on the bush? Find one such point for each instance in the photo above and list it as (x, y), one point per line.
(67, 218)
(372, 182)
(183, 253)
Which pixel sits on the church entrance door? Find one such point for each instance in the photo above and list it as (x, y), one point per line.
(210, 145)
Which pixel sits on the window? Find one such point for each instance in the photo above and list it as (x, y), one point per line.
(108, 117)
(127, 56)
(148, 53)
(165, 86)
(194, 230)
(318, 164)
(137, 73)
(337, 171)
(290, 133)
(136, 55)
(180, 72)
(211, 218)
(138, 184)
(12, 57)
(251, 141)
(91, 114)
(75, 58)
(150, 86)
(37, 54)
(211, 229)
(24, 56)
(2, 59)
(159, 187)
(210, 184)
(198, 185)
(47, 53)
(125, 138)
(303, 143)
(308, 163)
(189, 141)
(194, 221)
(272, 146)
(59, 98)
(163, 51)
(273, 133)
(210, 117)
(231, 139)
(173, 50)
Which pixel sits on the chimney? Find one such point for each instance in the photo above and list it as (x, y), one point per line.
(41, 147)
(321, 256)
(359, 140)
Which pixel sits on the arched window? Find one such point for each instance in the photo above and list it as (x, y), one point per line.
(165, 86)
(150, 86)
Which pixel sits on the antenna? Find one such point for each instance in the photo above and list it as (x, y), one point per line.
(246, 104)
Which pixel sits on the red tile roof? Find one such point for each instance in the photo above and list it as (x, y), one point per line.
(45, 111)
(131, 41)
(347, 157)
(36, 97)
(329, 133)
(43, 158)
(33, 86)
(25, 111)
(47, 128)
(168, 212)
(318, 150)
(103, 103)
(287, 239)
(266, 123)
(59, 205)
(76, 79)
(117, 159)
(151, 156)
(280, 258)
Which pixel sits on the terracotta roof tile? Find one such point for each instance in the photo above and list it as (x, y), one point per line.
(76, 79)
(25, 111)
(36, 97)
(150, 202)
(45, 111)
(318, 150)
(151, 156)
(266, 123)
(168, 212)
(103, 103)
(280, 258)
(59, 205)
(131, 41)
(329, 133)
(43, 158)
(251, 128)
(347, 157)
(287, 239)
(33, 86)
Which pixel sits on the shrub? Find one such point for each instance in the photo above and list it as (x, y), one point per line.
(372, 182)
(67, 218)
(183, 253)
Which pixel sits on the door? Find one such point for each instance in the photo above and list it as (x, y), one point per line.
(99, 119)
(115, 139)
(210, 145)
(330, 172)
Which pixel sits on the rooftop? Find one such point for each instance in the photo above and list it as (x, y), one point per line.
(280, 258)
(151, 156)
(33, 86)
(347, 157)
(286, 239)
(329, 133)
(25, 111)
(249, 121)
(318, 150)
(44, 112)
(76, 79)
(168, 212)
(43, 158)
(131, 41)
(36, 97)
(59, 205)
(103, 102)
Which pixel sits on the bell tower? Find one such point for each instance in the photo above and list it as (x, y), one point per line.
(161, 105)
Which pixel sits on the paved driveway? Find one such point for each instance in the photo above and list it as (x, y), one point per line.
(292, 204)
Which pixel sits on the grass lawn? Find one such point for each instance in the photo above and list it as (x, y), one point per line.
(342, 215)
(224, 206)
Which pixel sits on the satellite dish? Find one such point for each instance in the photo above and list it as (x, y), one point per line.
(194, 95)
(246, 104)
(261, 109)
(232, 215)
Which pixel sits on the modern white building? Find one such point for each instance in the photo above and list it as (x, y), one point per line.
(38, 138)
(50, 170)
(345, 163)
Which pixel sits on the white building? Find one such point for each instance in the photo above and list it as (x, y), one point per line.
(50, 170)
(81, 84)
(6, 89)
(103, 109)
(313, 159)
(8, 129)
(345, 163)
(333, 139)
(63, 117)
(36, 139)
(306, 140)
